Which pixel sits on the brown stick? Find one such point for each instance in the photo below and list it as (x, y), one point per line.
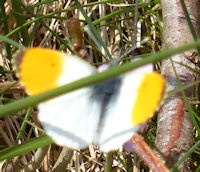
(175, 128)
(137, 145)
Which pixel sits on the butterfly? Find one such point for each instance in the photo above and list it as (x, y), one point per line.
(106, 114)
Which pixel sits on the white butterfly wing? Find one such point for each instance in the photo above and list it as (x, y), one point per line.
(68, 119)
(118, 124)
(92, 114)
(117, 127)
(71, 119)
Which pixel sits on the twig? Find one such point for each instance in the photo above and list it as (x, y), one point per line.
(137, 145)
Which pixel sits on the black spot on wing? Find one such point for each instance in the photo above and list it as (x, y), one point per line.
(104, 92)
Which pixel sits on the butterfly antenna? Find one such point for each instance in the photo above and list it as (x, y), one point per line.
(134, 47)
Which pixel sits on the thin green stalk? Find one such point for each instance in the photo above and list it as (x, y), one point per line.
(21, 20)
(99, 77)
(174, 169)
(23, 148)
(189, 21)
(11, 42)
(109, 162)
(187, 104)
(24, 124)
(25, 25)
(94, 30)
(4, 21)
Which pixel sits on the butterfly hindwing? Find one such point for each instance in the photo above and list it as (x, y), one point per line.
(72, 123)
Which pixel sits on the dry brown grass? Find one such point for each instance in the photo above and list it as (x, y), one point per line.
(117, 32)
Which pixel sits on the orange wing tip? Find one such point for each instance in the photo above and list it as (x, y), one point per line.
(39, 69)
(149, 96)
(42, 69)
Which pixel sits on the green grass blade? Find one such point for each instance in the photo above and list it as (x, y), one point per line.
(28, 146)
(34, 100)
